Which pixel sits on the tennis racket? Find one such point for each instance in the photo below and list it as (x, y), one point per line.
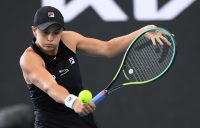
(142, 62)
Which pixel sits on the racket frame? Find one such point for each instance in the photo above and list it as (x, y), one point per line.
(101, 95)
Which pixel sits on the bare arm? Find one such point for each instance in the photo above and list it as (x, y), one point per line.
(34, 70)
(33, 67)
(107, 48)
(104, 48)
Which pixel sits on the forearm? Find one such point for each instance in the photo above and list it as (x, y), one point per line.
(58, 93)
(119, 44)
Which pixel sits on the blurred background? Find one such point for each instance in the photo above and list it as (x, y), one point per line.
(172, 101)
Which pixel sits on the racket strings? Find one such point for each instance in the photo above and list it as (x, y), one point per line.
(138, 67)
(145, 61)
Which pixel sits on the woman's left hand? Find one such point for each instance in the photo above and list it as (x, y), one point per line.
(156, 36)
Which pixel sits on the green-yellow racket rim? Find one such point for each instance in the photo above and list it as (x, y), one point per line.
(142, 82)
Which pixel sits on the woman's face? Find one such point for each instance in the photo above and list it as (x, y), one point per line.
(48, 40)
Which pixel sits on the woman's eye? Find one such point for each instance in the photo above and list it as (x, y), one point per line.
(56, 33)
(53, 33)
(46, 33)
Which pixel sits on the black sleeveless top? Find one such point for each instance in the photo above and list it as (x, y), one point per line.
(65, 69)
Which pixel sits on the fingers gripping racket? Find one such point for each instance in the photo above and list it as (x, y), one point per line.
(143, 62)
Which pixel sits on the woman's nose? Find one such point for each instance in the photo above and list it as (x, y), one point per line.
(50, 37)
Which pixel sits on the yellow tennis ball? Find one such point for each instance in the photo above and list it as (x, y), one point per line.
(85, 96)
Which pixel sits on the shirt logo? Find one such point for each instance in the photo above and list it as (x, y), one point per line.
(51, 14)
(71, 60)
(63, 71)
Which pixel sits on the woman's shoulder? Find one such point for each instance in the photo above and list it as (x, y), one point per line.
(70, 39)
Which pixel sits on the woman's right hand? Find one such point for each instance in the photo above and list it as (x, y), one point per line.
(83, 108)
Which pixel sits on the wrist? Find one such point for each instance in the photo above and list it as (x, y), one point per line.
(148, 27)
(69, 100)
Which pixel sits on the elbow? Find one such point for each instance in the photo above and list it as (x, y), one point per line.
(110, 55)
(108, 51)
(111, 52)
(52, 91)
(48, 89)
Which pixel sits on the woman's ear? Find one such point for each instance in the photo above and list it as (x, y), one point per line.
(34, 30)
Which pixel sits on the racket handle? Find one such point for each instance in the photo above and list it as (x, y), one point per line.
(99, 97)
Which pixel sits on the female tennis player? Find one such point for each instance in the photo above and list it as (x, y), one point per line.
(51, 71)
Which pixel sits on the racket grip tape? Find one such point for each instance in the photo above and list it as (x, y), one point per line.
(99, 97)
